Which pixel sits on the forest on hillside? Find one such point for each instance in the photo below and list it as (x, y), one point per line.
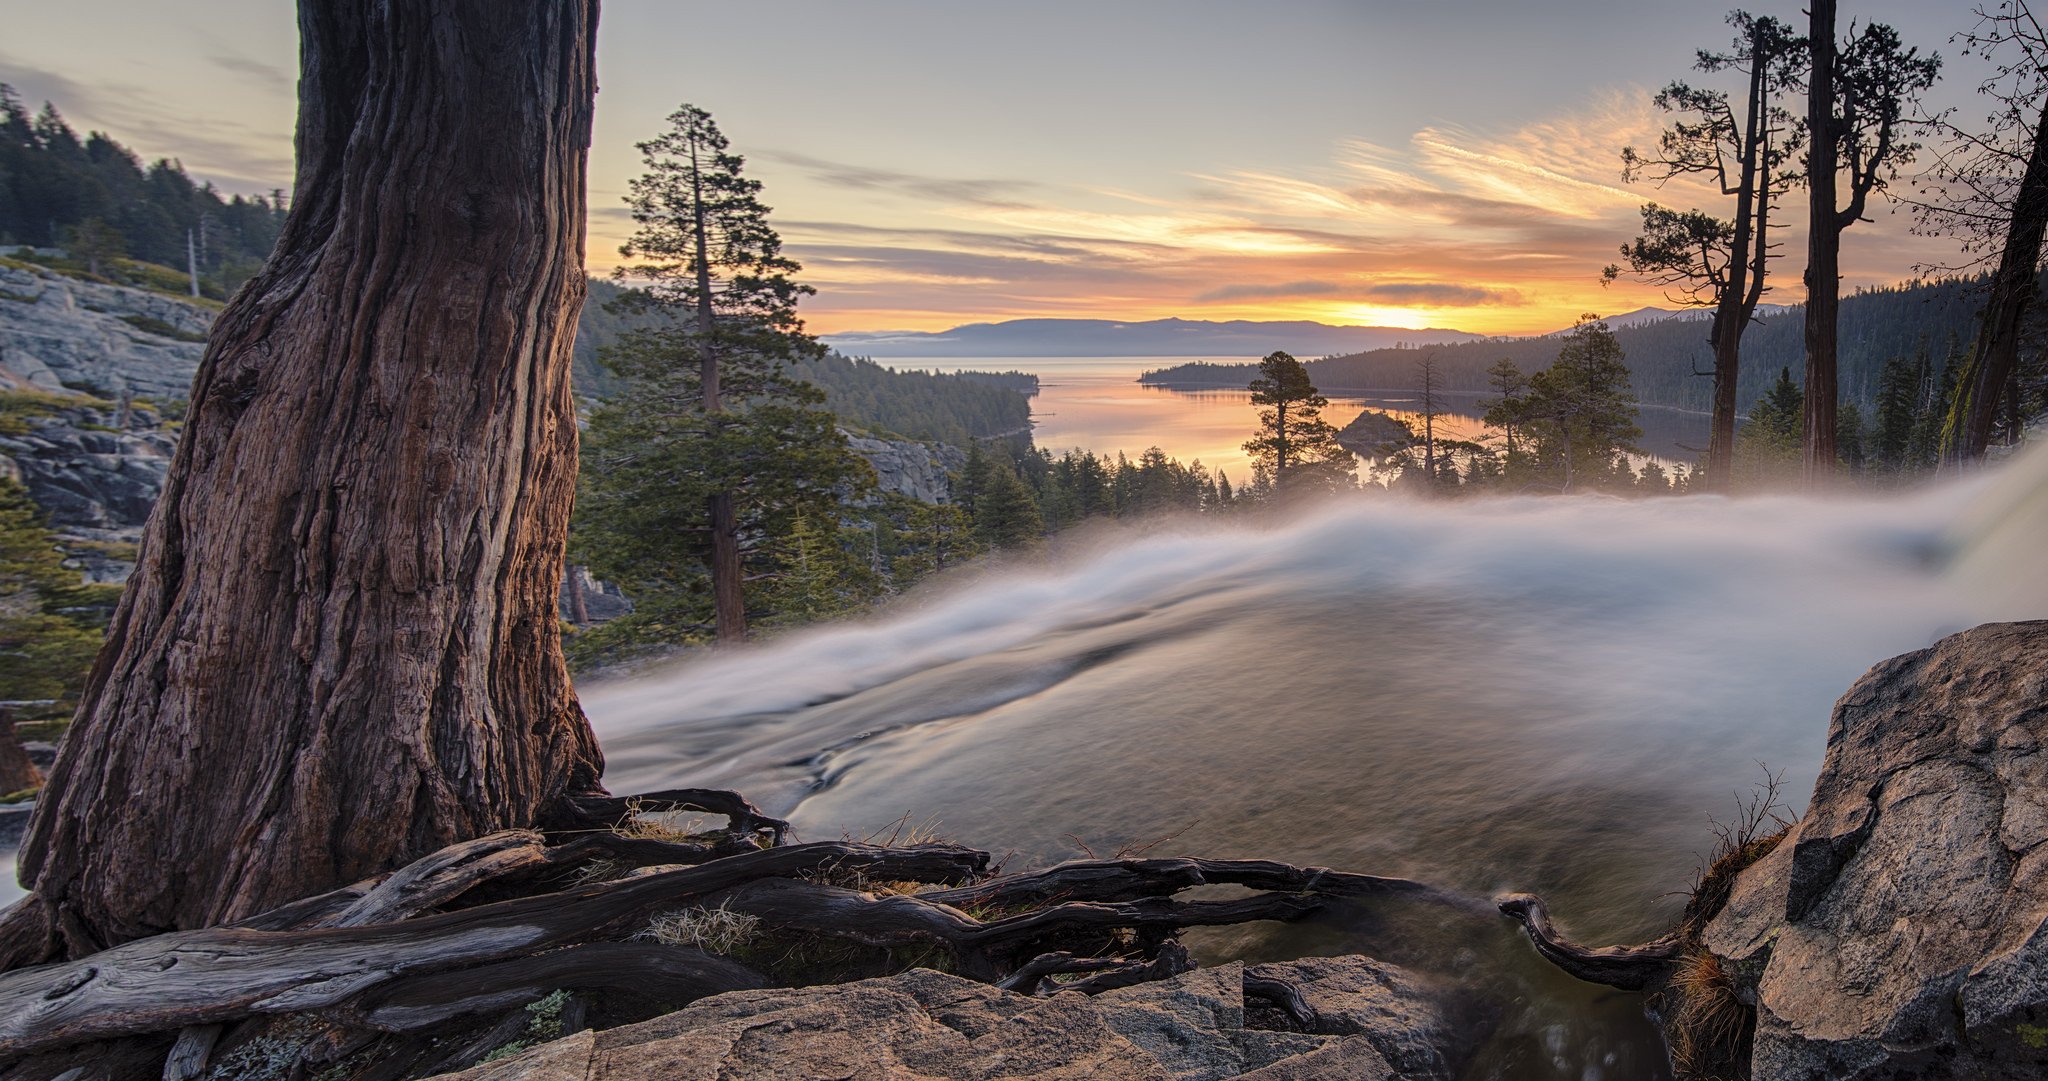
(98, 199)
(1669, 360)
(946, 407)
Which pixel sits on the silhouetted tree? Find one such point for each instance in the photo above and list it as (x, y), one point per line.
(1858, 99)
(1505, 414)
(1296, 446)
(1430, 384)
(1989, 189)
(1579, 413)
(1710, 261)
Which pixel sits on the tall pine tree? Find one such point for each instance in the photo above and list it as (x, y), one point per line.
(1295, 444)
(705, 464)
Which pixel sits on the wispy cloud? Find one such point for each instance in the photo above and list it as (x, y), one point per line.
(842, 174)
(1494, 231)
(233, 155)
(1277, 289)
(265, 76)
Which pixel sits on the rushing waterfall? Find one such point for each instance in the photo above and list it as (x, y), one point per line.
(1550, 694)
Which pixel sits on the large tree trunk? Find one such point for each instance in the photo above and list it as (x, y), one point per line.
(1995, 364)
(339, 649)
(1748, 259)
(1823, 252)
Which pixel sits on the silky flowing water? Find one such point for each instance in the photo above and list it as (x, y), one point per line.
(1544, 694)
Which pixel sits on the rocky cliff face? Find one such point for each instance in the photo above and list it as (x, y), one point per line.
(1901, 929)
(904, 467)
(96, 471)
(60, 333)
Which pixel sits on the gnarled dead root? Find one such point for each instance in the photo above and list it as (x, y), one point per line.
(435, 961)
(1631, 968)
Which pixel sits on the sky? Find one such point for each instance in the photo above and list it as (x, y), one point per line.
(1406, 163)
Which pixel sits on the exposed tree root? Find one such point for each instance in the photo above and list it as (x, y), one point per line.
(1631, 968)
(441, 960)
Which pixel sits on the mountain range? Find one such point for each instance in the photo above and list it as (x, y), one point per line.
(1185, 337)
(1149, 338)
(1667, 352)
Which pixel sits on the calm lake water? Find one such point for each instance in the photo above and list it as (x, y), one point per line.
(1096, 403)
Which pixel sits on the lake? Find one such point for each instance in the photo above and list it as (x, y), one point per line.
(1096, 403)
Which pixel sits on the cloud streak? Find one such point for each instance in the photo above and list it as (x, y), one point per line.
(1499, 231)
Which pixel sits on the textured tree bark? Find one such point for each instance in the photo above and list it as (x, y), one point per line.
(339, 649)
(1995, 364)
(1823, 252)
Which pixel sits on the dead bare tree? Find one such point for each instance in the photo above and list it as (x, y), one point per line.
(1710, 261)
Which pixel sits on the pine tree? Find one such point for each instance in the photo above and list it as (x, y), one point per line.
(820, 574)
(1006, 515)
(1767, 446)
(1579, 413)
(935, 536)
(50, 623)
(1295, 444)
(1899, 400)
(699, 470)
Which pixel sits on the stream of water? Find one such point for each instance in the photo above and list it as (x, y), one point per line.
(1546, 694)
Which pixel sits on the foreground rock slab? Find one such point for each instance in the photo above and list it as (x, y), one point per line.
(929, 1025)
(1901, 929)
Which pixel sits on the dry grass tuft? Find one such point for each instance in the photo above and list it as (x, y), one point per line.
(1710, 1022)
(1706, 1023)
(716, 930)
(602, 869)
(641, 824)
(903, 833)
(1760, 823)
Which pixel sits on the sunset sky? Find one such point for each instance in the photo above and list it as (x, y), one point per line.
(1400, 162)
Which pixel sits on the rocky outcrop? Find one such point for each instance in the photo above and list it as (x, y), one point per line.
(937, 1027)
(59, 333)
(95, 470)
(1375, 435)
(1901, 929)
(921, 471)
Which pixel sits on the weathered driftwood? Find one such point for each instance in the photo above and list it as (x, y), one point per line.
(1129, 880)
(602, 812)
(440, 877)
(414, 965)
(188, 1056)
(1631, 968)
(1037, 972)
(1170, 960)
(1285, 996)
(983, 950)
(230, 972)
(673, 973)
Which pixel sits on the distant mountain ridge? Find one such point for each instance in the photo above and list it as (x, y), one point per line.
(1146, 338)
(1668, 355)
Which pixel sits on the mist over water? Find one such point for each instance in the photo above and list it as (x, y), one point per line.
(1549, 694)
